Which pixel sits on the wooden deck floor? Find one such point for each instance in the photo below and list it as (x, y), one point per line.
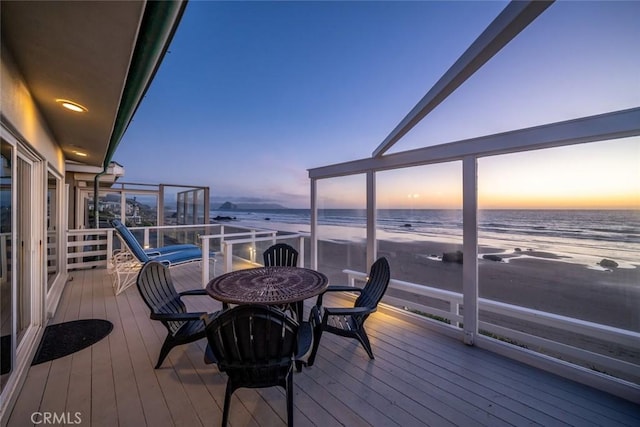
(418, 378)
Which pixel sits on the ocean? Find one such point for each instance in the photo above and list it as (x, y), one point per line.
(583, 236)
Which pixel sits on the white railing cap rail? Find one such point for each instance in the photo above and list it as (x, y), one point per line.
(424, 289)
(244, 233)
(261, 239)
(595, 330)
(158, 227)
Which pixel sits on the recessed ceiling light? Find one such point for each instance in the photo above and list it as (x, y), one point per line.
(73, 106)
(80, 153)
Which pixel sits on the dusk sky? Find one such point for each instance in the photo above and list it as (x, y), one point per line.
(252, 94)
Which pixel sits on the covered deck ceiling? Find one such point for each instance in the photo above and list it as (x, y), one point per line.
(101, 55)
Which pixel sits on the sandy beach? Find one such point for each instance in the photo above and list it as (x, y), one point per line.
(539, 280)
(562, 278)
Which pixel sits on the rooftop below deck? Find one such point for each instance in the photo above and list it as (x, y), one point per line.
(419, 377)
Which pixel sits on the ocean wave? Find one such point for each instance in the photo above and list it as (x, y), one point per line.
(590, 228)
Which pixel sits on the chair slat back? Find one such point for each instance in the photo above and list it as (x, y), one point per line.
(280, 255)
(156, 289)
(376, 285)
(130, 240)
(253, 337)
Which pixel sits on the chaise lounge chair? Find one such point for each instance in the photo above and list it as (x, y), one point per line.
(126, 264)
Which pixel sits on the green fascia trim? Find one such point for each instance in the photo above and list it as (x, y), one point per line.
(159, 24)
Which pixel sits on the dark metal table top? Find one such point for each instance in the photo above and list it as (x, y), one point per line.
(267, 285)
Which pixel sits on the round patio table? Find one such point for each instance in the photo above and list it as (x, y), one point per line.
(267, 285)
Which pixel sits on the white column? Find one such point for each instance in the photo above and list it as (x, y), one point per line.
(205, 262)
(470, 247)
(372, 215)
(313, 244)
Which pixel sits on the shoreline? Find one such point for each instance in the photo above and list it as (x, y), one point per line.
(533, 277)
(608, 297)
(503, 246)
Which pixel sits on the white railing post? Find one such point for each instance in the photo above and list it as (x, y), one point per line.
(205, 262)
(352, 280)
(146, 238)
(228, 257)
(252, 249)
(301, 251)
(455, 309)
(470, 247)
(221, 238)
(109, 245)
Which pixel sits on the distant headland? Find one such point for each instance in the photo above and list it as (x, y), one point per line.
(228, 206)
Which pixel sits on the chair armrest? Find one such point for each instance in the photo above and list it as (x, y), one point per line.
(193, 292)
(346, 311)
(309, 335)
(342, 288)
(305, 342)
(337, 288)
(208, 317)
(176, 316)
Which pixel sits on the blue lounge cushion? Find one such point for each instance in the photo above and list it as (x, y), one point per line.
(168, 255)
(181, 257)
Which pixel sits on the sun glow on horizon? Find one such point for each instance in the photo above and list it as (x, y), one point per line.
(599, 175)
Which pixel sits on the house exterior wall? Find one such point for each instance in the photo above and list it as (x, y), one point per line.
(22, 124)
(21, 112)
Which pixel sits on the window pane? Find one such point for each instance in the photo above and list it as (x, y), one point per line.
(7, 339)
(53, 230)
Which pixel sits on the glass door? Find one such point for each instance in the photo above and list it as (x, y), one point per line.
(53, 229)
(24, 249)
(7, 339)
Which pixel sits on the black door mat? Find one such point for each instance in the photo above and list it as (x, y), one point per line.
(62, 339)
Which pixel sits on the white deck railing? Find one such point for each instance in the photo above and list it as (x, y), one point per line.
(609, 334)
(226, 247)
(90, 248)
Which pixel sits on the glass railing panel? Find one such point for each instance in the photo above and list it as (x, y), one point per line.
(559, 233)
(419, 228)
(342, 226)
(141, 210)
(183, 205)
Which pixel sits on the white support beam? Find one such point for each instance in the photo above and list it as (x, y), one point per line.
(470, 248)
(618, 124)
(372, 216)
(507, 25)
(313, 241)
